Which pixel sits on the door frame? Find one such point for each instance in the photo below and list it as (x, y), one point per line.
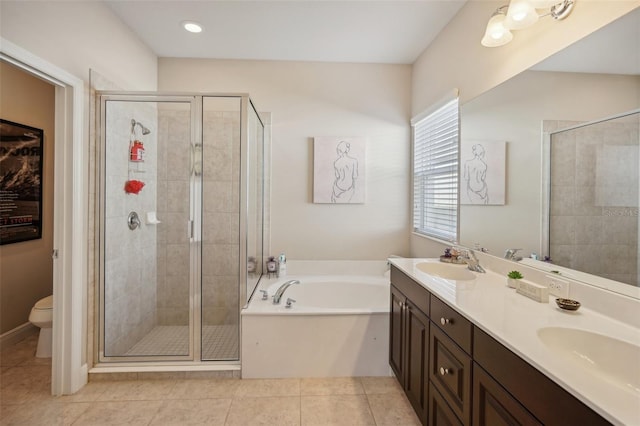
(69, 370)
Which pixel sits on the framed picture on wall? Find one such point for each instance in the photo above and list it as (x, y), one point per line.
(20, 182)
(482, 170)
(339, 170)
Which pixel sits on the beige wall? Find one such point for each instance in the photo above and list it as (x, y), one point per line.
(78, 36)
(26, 268)
(310, 99)
(456, 59)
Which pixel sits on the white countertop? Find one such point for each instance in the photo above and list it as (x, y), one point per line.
(513, 320)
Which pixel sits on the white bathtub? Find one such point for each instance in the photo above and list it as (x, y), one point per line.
(338, 326)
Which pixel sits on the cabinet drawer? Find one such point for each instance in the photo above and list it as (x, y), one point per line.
(418, 295)
(450, 372)
(451, 322)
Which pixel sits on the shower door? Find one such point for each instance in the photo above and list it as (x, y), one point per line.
(170, 237)
(148, 208)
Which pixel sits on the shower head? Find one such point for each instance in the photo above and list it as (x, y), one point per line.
(144, 130)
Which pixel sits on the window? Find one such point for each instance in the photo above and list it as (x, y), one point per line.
(435, 172)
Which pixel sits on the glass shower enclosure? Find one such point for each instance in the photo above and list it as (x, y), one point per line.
(181, 224)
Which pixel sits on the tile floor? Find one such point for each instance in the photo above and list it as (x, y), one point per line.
(25, 399)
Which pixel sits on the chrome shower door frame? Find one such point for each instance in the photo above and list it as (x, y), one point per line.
(195, 207)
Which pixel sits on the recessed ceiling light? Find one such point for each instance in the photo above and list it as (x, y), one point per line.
(192, 27)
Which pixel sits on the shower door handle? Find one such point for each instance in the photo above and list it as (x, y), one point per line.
(191, 225)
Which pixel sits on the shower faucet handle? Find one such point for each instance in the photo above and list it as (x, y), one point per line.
(289, 302)
(265, 296)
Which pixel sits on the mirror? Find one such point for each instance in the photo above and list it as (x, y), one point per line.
(593, 79)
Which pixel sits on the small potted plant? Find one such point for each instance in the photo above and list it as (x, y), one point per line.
(513, 278)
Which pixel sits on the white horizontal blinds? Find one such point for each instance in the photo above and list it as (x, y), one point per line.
(435, 173)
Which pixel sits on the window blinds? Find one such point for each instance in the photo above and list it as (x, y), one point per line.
(435, 173)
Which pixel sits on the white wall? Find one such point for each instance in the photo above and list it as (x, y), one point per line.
(513, 112)
(457, 59)
(78, 36)
(310, 99)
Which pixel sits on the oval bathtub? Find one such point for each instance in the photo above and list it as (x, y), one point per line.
(337, 326)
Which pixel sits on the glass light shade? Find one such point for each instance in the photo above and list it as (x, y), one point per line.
(521, 14)
(496, 34)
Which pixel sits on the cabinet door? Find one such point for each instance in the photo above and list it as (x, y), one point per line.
(416, 366)
(494, 406)
(440, 414)
(450, 372)
(396, 334)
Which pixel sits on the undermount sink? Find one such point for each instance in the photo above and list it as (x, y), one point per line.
(447, 271)
(610, 358)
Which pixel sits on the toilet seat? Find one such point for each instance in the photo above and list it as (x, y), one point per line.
(44, 304)
(42, 316)
(42, 313)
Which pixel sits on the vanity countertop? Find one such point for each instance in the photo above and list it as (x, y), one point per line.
(514, 320)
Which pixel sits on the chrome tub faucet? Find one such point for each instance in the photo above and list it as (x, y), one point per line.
(282, 289)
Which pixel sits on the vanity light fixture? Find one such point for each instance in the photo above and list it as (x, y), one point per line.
(519, 14)
(497, 34)
(191, 26)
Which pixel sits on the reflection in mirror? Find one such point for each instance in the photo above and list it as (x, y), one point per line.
(581, 89)
(593, 211)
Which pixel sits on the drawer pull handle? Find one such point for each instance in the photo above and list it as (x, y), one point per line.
(445, 321)
(444, 371)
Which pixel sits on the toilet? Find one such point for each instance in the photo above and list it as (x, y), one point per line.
(42, 316)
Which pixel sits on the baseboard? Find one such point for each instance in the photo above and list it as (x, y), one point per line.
(19, 333)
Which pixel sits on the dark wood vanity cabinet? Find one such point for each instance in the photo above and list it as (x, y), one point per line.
(409, 342)
(453, 373)
(544, 399)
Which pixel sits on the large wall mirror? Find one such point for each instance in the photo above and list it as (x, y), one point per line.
(504, 131)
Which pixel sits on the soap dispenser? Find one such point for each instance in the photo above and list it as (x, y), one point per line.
(282, 265)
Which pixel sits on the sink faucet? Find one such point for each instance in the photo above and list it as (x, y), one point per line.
(281, 290)
(511, 254)
(472, 262)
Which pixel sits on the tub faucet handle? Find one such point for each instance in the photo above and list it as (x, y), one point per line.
(289, 302)
(265, 296)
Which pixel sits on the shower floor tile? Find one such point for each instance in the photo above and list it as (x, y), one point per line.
(219, 342)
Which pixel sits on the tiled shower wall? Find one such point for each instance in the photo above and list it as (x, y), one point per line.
(220, 222)
(594, 198)
(173, 273)
(220, 227)
(130, 256)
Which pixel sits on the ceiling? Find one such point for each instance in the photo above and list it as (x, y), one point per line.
(364, 31)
